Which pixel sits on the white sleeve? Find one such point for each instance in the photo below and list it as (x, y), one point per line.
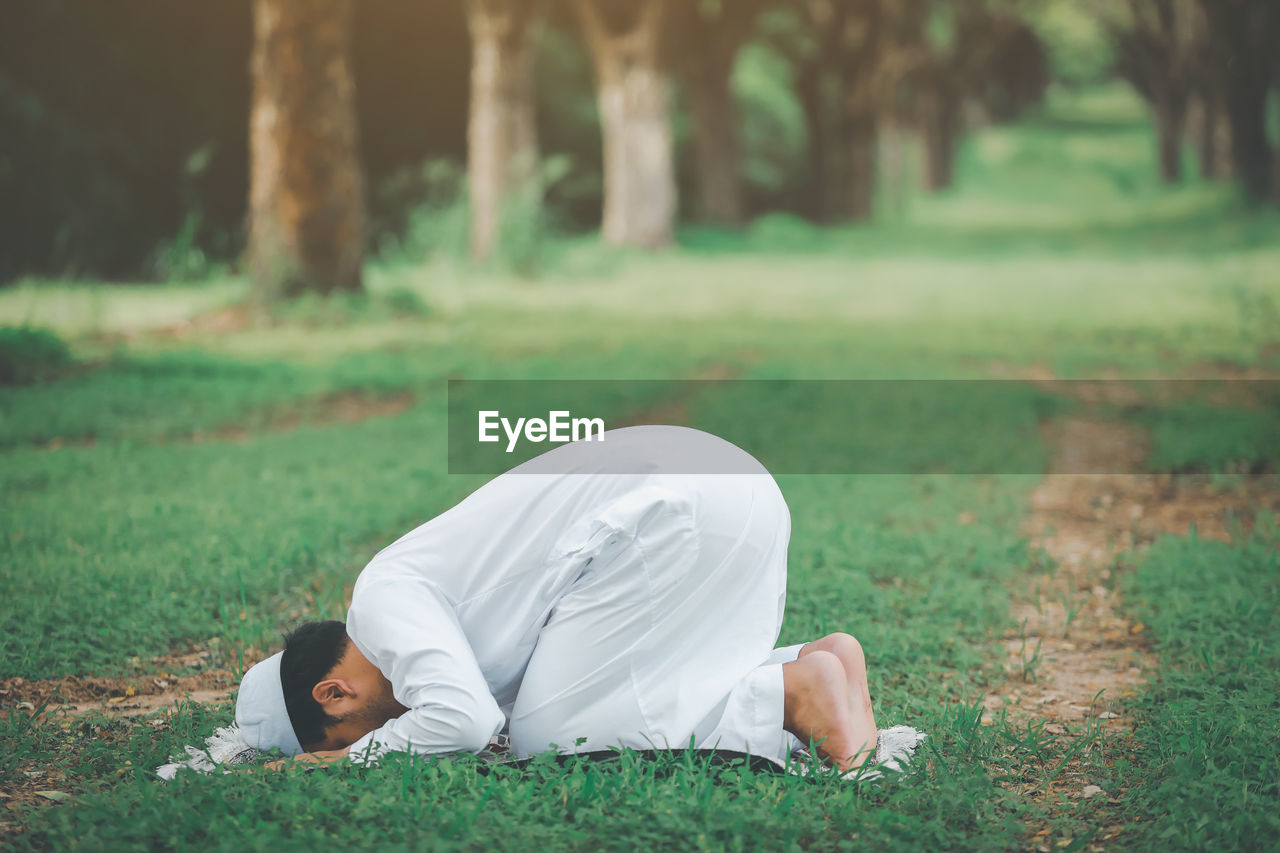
(403, 627)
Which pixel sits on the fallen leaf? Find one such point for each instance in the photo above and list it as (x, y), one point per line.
(56, 796)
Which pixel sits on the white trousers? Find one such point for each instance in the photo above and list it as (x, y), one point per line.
(666, 638)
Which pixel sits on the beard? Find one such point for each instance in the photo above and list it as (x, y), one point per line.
(379, 710)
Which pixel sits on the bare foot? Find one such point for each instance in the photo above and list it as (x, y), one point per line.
(818, 709)
(850, 653)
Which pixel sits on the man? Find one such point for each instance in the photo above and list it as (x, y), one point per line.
(599, 595)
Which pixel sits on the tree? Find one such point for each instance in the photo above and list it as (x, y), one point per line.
(710, 33)
(941, 56)
(634, 97)
(306, 206)
(502, 140)
(843, 77)
(962, 40)
(860, 40)
(1156, 45)
(1017, 73)
(803, 35)
(1243, 35)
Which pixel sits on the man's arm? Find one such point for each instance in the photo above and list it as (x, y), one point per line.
(409, 632)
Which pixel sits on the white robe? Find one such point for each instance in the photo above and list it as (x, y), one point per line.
(616, 601)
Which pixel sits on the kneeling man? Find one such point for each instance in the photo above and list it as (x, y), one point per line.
(597, 596)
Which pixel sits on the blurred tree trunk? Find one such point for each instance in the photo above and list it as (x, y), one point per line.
(1171, 113)
(715, 142)
(965, 50)
(502, 139)
(828, 156)
(861, 135)
(633, 91)
(1205, 122)
(1206, 114)
(1244, 35)
(939, 127)
(306, 207)
(709, 40)
(864, 48)
(837, 85)
(1159, 44)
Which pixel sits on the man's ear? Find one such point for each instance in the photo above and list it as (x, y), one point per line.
(331, 691)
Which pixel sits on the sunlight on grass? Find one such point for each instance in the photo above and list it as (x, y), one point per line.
(74, 308)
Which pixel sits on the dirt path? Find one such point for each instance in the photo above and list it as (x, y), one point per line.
(203, 679)
(1074, 657)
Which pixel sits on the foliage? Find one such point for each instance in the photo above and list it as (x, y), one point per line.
(431, 201)
(1080, 49)
(29, 355)
(772, 125)
(1217, 439)
(1205, 740)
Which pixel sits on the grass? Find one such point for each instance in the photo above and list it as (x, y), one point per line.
(134, 521)
(1206, 735)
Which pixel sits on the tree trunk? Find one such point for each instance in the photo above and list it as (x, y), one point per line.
(634, 97)
(828, 152)
(306, 208)
(1171, 114)
(1250, 148)
(1244, 34)
(939, 130)
(809, 90)
(862, 166)
(890, 170)
(1212, 136)
(502, 142)
(715, 137)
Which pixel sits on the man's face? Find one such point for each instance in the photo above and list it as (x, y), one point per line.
(366, 701)
(378, 707)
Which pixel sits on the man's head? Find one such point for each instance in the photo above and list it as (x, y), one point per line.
(328, 695)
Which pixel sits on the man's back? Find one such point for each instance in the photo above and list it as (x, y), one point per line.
(499, 561)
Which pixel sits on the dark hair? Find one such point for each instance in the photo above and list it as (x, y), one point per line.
(311, 651)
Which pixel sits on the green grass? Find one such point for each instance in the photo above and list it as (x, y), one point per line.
(1217, 439)
(148, 529)
(924, 606)
(1206, 748)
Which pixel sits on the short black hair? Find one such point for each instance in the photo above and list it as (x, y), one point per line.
(311, 651)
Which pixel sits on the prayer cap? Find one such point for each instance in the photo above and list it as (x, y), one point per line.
(261, 713)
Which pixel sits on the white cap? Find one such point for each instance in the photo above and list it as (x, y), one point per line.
(261, 713)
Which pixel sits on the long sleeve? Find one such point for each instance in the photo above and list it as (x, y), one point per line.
(406, 629)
